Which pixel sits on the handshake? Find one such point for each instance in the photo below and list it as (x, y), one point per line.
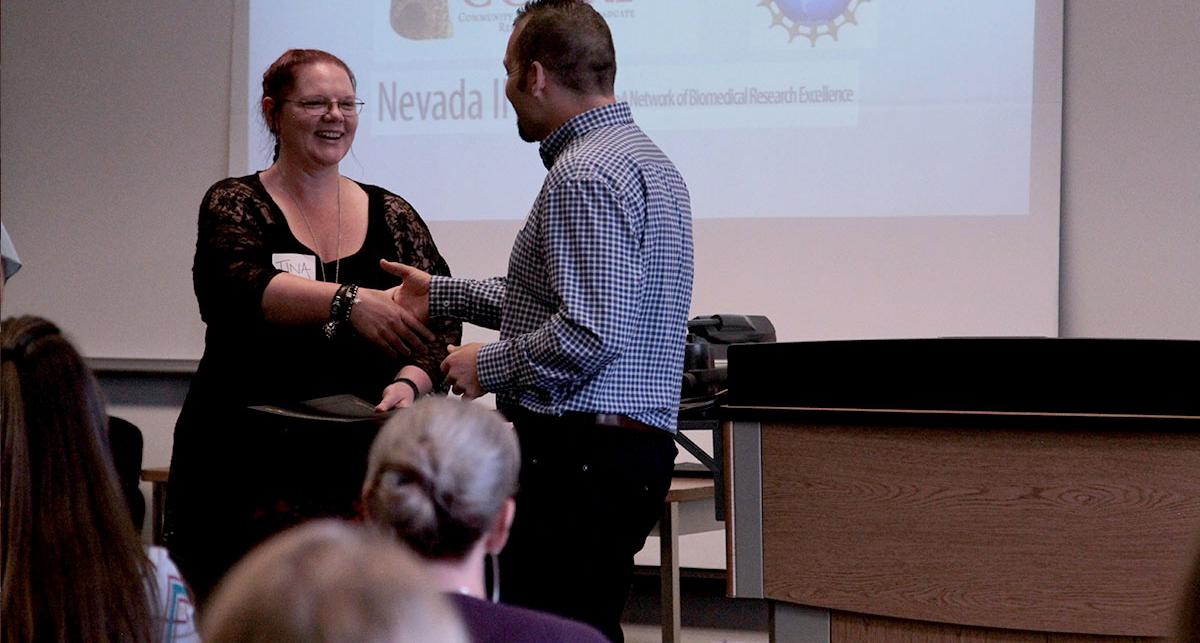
(396, 320)
(412, 296)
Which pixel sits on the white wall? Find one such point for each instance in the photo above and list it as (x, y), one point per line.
(1131, 170)
(115, 123)
(79, 133)
(76, 134)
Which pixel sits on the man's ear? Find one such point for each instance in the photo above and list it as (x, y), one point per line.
(537, 79)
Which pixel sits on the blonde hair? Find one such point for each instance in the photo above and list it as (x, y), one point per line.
(439, 473)
(327, 581)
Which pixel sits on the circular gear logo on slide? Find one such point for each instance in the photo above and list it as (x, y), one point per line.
(421, 19)
(812, 19)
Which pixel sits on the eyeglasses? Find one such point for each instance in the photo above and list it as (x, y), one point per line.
(321, 106)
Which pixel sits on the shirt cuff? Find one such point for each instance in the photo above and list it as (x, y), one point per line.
(496, 366)
(444, 294)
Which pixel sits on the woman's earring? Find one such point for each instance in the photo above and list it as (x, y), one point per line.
(493, 579)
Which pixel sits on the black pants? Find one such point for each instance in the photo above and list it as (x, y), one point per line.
(246, 476)
(589, 495)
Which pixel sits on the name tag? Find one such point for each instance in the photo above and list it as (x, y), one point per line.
(296, 264)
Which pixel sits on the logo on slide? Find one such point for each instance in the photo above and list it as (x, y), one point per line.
(812, 18)
(421, 19)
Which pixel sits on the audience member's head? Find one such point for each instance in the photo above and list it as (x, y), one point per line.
(324, 582)
(441, 476)
(73, 567)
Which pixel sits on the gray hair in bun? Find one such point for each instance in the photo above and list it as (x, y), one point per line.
(439, 473)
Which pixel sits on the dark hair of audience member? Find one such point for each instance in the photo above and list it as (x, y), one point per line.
(73, 567)
(280, 78)
(571, 40)
(438, 475)
(324, 582)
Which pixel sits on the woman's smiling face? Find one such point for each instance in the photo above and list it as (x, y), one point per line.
(317, 139)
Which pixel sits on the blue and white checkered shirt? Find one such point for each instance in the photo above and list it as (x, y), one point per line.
(593, 312)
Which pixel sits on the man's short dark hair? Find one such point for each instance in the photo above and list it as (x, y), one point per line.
(571, 40)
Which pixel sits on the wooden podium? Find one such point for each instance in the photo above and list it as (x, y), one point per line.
(964, 489)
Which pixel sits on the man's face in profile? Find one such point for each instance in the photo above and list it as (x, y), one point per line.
(514, 89)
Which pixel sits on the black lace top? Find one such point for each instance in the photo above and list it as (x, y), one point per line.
(238, 476)
(250, 361)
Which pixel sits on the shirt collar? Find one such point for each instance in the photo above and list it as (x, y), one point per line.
(553, 145)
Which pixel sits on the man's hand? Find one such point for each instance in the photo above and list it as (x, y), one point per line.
(462, 373)
(413, 292)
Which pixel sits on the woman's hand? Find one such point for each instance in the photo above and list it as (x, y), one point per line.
(397, 395)
(387, 324)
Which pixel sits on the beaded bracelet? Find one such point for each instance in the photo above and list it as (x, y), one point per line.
(339, 308)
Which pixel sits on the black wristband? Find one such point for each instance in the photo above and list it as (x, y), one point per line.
(411, 384)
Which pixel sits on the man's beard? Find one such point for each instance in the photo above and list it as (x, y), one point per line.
(523, 131)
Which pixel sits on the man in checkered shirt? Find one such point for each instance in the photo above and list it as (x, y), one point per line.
(592, 318)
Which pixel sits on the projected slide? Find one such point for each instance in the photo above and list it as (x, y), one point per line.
(771, 108)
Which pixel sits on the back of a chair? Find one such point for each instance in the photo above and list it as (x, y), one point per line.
(125, 441)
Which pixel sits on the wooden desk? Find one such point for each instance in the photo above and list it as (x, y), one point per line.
(688, 509)
(947, 490)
